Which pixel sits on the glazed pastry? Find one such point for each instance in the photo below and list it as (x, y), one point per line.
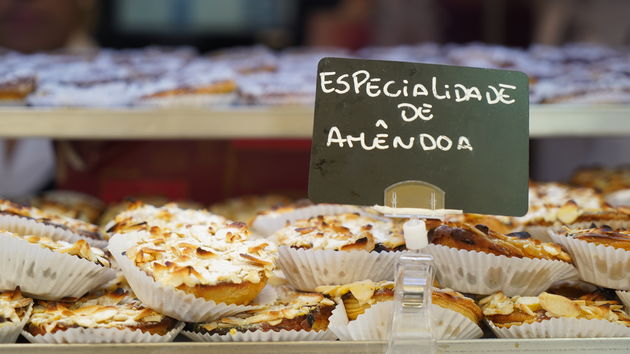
(556, 194)
(571, 213)
(359, 296)
(482, 239)
(602, 236)
(115, 308)
(292, 310)
(504, 311)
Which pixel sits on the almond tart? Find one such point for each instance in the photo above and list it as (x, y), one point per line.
(293, 315)
(51, 269)
(550, 315)
(478, 260)
(245, 208)
(15, 310)
(366, 304)
(22, 219)
(338, 248)
(186, 270)
(111, 315)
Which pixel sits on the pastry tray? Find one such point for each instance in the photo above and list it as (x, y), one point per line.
(552, 120)
(476, 346)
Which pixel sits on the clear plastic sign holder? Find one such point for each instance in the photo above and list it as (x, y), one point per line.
(411, 330)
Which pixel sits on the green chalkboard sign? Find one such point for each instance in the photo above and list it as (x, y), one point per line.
(420, 135)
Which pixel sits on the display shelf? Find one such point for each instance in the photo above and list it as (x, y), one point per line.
(262, 122)
(477, 346)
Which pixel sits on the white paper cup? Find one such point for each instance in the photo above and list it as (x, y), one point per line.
(102, 335)
(25, 226)
(601, 265)
(44, 274)
(563, 327)
(262, 336)
(624, 296)
(10, 332)
(483, 273)
(308, 269)
(375, 323)
(164, 299)
(267, 224)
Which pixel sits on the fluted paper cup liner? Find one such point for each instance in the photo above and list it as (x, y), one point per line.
(624, 296)
(262, 336)
(615, 224)
(450, 324)
(102, 335)
(25, 226)
(265, 225)
(374, 323)
(44, 274)
(619, 198)
(483, 274)
(601, 265)
(10, 332)
(308, 269)
(563, 327)
(164, 299)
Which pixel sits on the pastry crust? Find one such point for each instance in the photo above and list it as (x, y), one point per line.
(504, 311)
(482, 239)
(603, 236)
(291, 311)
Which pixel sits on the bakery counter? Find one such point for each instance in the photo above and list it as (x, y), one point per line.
(555, 120)
(477, 346)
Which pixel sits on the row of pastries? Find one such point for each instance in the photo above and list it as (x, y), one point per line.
(302, 271)
(574, 73)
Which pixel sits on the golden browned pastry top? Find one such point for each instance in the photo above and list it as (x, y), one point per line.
(204, 255)
(169, 217)
(290, 305)
(506, 311)
(341, 232)
(114, 307)
(80, 249)
(80, 227)
(13, 307)
(553, 193)
(245, 208)
(502, 224)
(70, 204)
(571, 213)
(359, 296)
(482, 239)
(603, 236)
(606, 180)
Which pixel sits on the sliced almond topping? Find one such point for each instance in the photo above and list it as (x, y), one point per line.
(568, 213)
(559, 306)
(255, 260)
